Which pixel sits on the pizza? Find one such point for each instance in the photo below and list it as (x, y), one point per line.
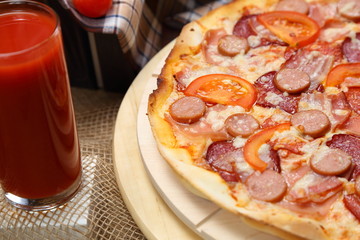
(257, 109)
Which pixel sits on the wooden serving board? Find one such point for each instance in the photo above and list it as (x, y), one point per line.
(145, 203)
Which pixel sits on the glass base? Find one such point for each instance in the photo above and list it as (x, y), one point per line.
(44, 203)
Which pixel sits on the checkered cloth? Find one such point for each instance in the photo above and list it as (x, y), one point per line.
(138, 27)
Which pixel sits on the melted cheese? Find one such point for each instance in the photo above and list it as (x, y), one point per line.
(217, 118)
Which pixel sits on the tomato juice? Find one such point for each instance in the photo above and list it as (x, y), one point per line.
(39, 149)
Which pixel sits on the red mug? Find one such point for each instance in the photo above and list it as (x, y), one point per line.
(40, 164)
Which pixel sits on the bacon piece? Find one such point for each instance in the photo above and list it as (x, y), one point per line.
(314, 210)
(352, 125)
(204, 127)
(321, 12)
(353, 97)
(265, 86)
(352, 203)
(316, 189)
(325, 189)
(333, 30)
(210, 45)
(351, 48)
(334, 106)
(349, 144)
(313, 61)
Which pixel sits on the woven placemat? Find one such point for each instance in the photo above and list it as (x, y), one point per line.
(97, 211)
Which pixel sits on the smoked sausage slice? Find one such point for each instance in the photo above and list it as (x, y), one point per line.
(268, 186)
(330, 162)
(187, 109)
(293, 5)
(349, 9)
(311, 122)
(241, 124)
(292, 80)
(231, 45)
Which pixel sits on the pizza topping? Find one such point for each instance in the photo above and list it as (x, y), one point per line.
(254, 143)
(353, 97)
(241, 124)
(349, 9)
(293, 5)
(294, 28)
(330, 162)
(221, 157)
(334, 30)
(352, 125)
(321, 12)
(334, 106)
(292, 80)
(313, 62)
(210, 45)
(349, 144)
(243, 27)
(349, 72)
(351, 48)
(314, 188)
(357, 185)
(268, 186)
(270, 96)
(231, 45)
(311, 122)
(228, 161)
(187, 109)
(352, 203)
(224, 89)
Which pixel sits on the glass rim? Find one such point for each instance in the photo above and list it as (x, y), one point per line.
(41, 6)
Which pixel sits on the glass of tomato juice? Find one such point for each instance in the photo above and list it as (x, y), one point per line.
(40, 164)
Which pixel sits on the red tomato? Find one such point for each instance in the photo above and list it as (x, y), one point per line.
(338, 74)
(252, 145)
(92, 8)
(294, 28)
(223, 89)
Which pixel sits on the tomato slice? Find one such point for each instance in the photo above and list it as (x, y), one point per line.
(294, 28)
(223, 89)
(338, 74)
(252, 145)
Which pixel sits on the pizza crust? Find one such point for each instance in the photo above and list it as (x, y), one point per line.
(207, 184)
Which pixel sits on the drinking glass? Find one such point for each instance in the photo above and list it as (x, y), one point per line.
(40, 164)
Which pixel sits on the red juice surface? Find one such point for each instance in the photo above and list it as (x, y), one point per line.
(39, 150)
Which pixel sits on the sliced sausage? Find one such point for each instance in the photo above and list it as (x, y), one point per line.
(265, 87)
(293, 5)
(351, 48)
(187, 109)
(349, 9)
(351, 145)
(241, 124)
(330, 162)
(357, 186)
(311, 122)
(268, 186)
(231, 45)
(292, 80)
